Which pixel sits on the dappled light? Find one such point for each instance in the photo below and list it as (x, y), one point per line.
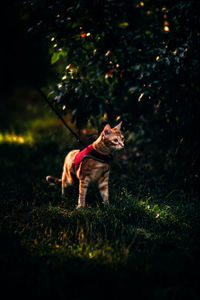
(166, 28)
(13, 138)
(77, 68)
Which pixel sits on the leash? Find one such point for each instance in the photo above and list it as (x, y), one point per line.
(60, 117)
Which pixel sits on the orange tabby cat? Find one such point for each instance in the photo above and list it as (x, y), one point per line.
(91, 164)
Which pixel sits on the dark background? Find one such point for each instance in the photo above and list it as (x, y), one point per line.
(101, 62)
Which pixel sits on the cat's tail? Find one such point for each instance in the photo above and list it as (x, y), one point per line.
(52, 180)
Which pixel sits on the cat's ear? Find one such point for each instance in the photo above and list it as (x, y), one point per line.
(107, 130)
(118, 127)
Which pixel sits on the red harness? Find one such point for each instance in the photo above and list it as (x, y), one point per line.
(90, 152)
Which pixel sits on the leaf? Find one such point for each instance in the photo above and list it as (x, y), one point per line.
(56, 55)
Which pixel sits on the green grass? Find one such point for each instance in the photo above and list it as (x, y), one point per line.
(145, 242)
(143, 246)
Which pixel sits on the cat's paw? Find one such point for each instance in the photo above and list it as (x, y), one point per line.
(80, 206)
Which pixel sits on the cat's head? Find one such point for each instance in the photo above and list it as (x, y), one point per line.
(113, 137)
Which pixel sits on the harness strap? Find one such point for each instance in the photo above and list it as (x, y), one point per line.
(107, 161)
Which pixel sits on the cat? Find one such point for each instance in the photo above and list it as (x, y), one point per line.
(91, 164)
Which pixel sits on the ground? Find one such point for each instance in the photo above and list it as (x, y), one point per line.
(143, 246)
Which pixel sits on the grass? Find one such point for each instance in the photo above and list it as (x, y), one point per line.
(143, 246)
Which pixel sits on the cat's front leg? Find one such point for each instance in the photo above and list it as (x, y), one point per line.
(83, 186)
(103, 188)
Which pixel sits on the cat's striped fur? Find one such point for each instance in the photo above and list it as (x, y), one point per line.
(92, 170)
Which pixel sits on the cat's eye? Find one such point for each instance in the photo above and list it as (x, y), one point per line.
(115, 140)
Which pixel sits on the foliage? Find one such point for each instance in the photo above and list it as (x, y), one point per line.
(129, 60)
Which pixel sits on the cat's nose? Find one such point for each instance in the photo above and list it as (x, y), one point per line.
(122, 145)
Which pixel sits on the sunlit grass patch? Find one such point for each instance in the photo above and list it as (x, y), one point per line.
(62, 250)
(157, 211)
(154, 206)
(67, 234)
(13, 138)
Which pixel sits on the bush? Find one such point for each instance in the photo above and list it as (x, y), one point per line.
(128, 60)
